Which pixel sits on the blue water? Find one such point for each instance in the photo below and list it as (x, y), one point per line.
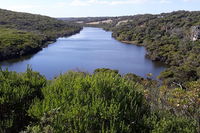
(86, 51)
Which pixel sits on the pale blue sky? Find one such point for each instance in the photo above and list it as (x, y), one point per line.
(85, 8)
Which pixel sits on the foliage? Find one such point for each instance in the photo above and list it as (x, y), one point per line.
(163, 122)
(167, 38)
(105, 70)
(17, 92)
(102, 102)
(182, 101)
(23, 33)
(15, 43)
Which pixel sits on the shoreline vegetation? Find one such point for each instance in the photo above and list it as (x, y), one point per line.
(131, 42)
(24, 34)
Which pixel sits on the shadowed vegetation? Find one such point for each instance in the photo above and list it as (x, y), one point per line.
(101, 102)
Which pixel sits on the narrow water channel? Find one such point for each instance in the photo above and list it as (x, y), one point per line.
(86, 51)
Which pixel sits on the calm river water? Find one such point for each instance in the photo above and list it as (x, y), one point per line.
(88, 50)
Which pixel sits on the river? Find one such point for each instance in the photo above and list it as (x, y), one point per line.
(86, 51)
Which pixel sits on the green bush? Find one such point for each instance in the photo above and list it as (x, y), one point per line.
(78, 102)
(162, 122)
(102, 102)
(17, 92)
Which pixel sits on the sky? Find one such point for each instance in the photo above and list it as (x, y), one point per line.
(94, 8)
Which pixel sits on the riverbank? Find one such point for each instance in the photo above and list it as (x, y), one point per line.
(30, 43)
(149, 55)
(88, 50)
(26, 35)
(132, 42)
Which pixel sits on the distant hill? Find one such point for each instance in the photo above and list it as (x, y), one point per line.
(85, 19)
(24, 33)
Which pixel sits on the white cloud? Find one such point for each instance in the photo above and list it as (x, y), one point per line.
(121, 2)
(106, 2)
(190, 0)
(128, 2)
(165, 1)
(79, 3)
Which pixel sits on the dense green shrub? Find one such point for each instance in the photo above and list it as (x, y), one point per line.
(163, 122)
(106, 70)
(102, 102)
(78, 102)
(17, 92)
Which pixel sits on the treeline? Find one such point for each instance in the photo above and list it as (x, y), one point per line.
(104, 101)
(168, 37)
(85, 19)
(23, 33)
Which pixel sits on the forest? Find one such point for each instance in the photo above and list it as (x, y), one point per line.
(168, 38)
(23, 33)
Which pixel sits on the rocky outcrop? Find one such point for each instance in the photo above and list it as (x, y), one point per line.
(195, 33)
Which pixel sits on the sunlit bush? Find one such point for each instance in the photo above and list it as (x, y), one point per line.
(78, 102)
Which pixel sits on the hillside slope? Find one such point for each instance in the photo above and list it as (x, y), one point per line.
(172, 38)
(23, 33)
